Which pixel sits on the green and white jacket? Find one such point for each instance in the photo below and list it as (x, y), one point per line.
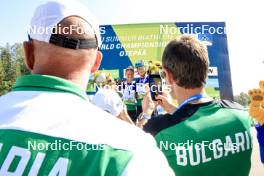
(48, 127)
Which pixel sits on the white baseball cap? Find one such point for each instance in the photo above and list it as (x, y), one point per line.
(48, 15)
(108, 100)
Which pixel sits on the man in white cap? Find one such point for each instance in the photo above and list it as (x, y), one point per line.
(47, 126)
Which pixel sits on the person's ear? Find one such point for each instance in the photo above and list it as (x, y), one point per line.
(97, 62)
(29, 55)
(169, 77)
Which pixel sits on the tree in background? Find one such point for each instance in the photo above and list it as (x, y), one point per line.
(2, 77)
(242, 99)
(18, 54)
(11, 66)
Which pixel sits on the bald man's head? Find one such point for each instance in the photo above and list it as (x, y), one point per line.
(49, 59)
(75, 27)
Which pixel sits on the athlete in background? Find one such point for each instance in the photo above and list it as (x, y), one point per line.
(129, 93)
(143, 80)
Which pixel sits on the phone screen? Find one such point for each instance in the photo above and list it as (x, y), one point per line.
(155, 85)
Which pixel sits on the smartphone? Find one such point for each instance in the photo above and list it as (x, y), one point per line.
(155, 85)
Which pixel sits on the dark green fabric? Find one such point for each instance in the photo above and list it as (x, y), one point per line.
(210, 125)
(131, 107)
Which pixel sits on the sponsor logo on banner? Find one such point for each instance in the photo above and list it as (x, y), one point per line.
(213, 71)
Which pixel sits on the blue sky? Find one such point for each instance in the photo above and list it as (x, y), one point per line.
(243, 20)
(14, 17)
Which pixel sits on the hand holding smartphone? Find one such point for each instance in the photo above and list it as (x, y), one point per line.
(155, 85)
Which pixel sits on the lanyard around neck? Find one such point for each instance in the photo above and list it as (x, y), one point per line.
(144, 80)
(190, 99)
